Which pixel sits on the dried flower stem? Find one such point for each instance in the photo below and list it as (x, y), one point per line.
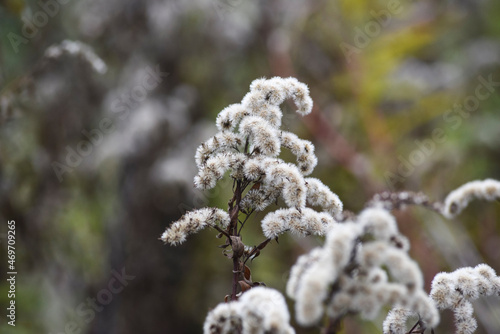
(234, 210)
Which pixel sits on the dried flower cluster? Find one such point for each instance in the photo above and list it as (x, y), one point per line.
(456, 290)
(193, 222)
(453, 291)
(347, 274)
(260, 310)
(364, 263)
(458, 199)
(248, 146)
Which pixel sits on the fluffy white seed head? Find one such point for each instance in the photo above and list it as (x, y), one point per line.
(458, 199)
(304, 262)
(395, 322)
(193, 222)
(224, 319)
(259, 310)
(379, 223)
(271, 113)
(259, 199)
(287, 177)
(230, 117)
(302, 149)
(216, 166)
(268, 305)
(274, 91)
(366, 273)
(455, 290)
(220, 143)
(320, 195)
(403, 269)
(263, 136)
(310, 288)
(303, 222)
(250, 140)
(464, 283)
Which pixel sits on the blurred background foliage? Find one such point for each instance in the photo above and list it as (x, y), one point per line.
(399, 81)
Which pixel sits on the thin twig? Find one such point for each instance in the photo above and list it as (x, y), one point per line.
(257, 248)
(243, 223)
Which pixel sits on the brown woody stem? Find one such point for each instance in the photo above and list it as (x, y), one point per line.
(234, 209)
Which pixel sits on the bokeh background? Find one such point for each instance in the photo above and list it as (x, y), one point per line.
(390, 81)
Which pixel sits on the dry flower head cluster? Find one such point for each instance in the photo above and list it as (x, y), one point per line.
(364, 263)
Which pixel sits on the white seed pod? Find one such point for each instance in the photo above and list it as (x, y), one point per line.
(254, 101)
(286, 177)
(417, 303)
(275, 91)
(302, 149)
(390, 293)
(312, 292)
(213, 170)
(395, 322)
(271, 113)
(403, 269)
(259, 199)
(277, 222)
(299, 92)
(254, 169)
(304, 262)
(224, 319)
(262, 135)
(442, 288)
(230, 117)
(424, 306)
(303, 223)
(320, 195)
(217, 165)
(464, 283)
(458, 199)
(464, 319)
(272, 90)
(467, 281)
(313, 286)
(236, 163)
(302, 99)
(379, 223)
(205, 180)
(264, 310)
(455, 290)
(193, 222)
(220, 143)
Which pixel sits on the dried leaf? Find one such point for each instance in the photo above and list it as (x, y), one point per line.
(257, 253)
(247, 274)
(244, 286)
(264, 244)
(256, 186)
(258, 284)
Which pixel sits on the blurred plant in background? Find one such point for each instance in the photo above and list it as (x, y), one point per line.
(411, 83)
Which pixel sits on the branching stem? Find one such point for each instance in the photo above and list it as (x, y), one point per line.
(234, 210)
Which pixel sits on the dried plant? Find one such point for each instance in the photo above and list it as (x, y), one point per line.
(364, 263)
